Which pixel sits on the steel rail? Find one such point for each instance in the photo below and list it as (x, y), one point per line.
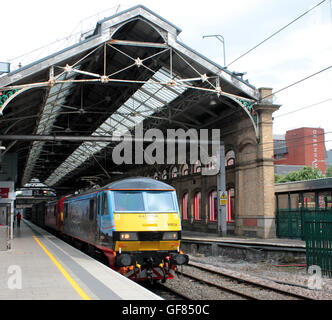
(174, 291)
(251, 282)
(218, 286)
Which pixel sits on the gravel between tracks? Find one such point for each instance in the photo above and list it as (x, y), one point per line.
(260, 272)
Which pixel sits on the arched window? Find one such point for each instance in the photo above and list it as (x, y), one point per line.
(197, 206)
(156, 176)
(230, 158)
(174, 172)
(230, 205)
(212, 164)
(213, 206)
(197, 167)
(185, 170)
(185, 207)
(164, 176)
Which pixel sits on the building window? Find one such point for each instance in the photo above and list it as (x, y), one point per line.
(197, 206)
(174, 172)
(197, 167)
(283, 202)
(164, 175)
(295, 202)
(230, 158)
(230, 205)
(185, 170)
(324, 200)
(213, 206)
(156, 176)
(185, 207)
(309, 200)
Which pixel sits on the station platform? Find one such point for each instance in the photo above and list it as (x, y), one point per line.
(40, 266)
(276, 242)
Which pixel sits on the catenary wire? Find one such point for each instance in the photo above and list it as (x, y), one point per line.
(275, 33)
(302, 108)
(297, 82)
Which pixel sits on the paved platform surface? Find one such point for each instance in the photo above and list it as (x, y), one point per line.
(40, 266)
(192, 235)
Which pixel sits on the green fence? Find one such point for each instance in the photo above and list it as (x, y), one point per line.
(290, 224)
(318, 236)
(315, 227)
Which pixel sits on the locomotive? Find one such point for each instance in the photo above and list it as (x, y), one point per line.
(134, 223)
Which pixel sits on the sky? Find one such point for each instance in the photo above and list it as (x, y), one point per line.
(300, 50)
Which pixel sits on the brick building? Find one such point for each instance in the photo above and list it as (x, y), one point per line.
(303, 147)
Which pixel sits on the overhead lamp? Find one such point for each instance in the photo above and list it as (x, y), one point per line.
(213, 102)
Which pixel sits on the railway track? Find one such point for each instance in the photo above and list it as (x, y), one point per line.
(166, 292)
(244, 288)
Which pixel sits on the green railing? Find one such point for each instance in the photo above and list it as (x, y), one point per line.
(315, 227)
(318, 236)
(290, 223)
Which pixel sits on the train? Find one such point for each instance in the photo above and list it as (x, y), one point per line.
(134, 224)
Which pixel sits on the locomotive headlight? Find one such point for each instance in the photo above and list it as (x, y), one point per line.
(126, 236)
(170, 236)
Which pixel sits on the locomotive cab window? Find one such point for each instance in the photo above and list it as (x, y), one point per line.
(148, 201)
(159, 201)
(128, 201)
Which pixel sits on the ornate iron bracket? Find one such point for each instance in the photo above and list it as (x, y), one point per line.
(4, 96)
(248, 106)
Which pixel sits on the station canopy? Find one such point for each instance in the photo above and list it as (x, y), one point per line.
(131, 68)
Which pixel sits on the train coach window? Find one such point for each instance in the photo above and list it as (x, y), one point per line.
(105, 200)
(159, 201)
(128, 201)
(91, 209)
(65, 210)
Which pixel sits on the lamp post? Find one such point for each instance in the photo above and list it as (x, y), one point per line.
(222, 40)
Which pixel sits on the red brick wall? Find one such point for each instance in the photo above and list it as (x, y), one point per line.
(305, 147)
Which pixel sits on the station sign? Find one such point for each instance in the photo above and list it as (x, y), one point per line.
(4, 192)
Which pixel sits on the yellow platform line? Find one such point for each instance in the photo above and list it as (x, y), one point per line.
(64, 272)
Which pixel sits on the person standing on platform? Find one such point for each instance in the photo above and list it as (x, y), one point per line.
(18, 218)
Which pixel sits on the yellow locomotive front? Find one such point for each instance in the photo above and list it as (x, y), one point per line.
(147, 229)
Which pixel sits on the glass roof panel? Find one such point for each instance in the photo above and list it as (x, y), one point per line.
(152, 97)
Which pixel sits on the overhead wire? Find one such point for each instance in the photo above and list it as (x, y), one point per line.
(297, 82)
(302, 108)
(275, 33)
